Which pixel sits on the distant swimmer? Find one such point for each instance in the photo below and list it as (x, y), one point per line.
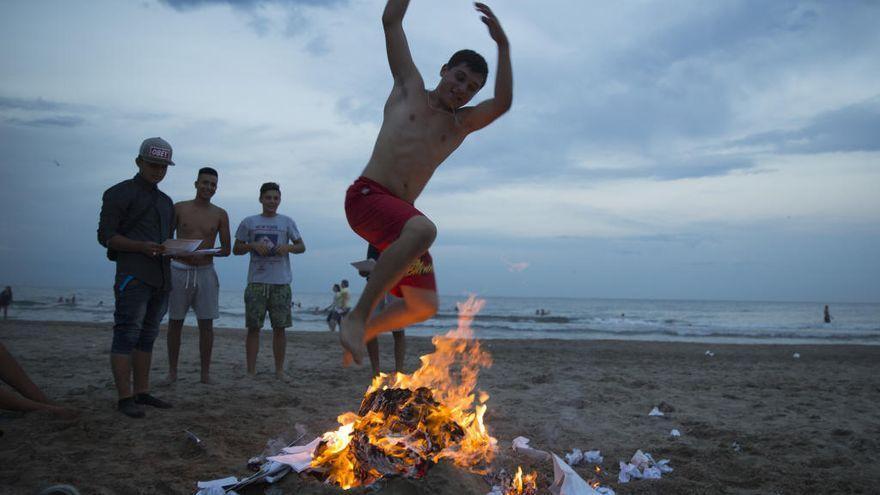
(5, 300)
(827, 315)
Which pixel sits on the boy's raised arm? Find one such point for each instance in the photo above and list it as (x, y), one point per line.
(487, 111)
(403, 69)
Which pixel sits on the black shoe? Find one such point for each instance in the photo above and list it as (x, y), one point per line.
(128, 407)
(149, 400)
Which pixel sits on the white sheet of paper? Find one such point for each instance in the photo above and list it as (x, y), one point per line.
(221, 482)
(566, 481)
(176, 247)
(199, 252)
(299, 457)
(366, 265)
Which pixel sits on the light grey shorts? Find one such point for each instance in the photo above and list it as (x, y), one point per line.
(194, 286)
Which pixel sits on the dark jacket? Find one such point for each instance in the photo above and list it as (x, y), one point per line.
(120, 205)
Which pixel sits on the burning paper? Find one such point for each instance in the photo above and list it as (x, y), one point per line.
(406, 423)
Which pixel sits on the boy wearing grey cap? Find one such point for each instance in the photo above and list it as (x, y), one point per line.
(136, 218)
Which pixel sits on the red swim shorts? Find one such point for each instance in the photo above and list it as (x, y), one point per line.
(378, 216)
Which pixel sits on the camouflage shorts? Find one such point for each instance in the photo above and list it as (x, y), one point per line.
(274, 298)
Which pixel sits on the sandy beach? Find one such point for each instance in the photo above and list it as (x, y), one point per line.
(802, 425)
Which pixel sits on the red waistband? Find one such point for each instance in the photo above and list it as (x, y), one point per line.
(366, 181)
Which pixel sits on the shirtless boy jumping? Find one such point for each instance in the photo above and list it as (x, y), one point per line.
(194, 281)
(421, 128)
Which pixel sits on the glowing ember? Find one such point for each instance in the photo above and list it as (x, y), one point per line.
(408, 422)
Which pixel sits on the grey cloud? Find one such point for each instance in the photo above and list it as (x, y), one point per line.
(248, 4)
(38, 104)
(675, 169)
(55, 121)
(851, 128)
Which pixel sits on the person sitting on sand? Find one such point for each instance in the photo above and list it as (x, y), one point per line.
(194, 280)
(136, 218)
(269, 238)
(5, 300)
(29, 396)
(399, 334)
(420, 129)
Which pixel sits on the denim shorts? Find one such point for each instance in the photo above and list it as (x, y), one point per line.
(139, 309)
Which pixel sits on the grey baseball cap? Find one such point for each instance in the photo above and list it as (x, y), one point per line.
(156, 150)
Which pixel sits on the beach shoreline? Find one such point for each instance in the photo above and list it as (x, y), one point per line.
(800, 424)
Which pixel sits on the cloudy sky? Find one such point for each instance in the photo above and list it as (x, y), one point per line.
(676, 149)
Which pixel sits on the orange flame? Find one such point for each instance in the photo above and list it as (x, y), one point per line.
(438, 398)
(521, 485)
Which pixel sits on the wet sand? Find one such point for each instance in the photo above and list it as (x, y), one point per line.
(803, 425)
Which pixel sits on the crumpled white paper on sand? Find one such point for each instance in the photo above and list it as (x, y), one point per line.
(298, 457)
(576, 456)
(656, 412)
(642, 466)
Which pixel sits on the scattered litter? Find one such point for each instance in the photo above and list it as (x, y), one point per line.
(796, 355)
(576, 456)
(710, 353)
(567, 482)
(736, 446)
(674, 433)
(643, 466)
(194, 439)
(656, 412)
(521, 447)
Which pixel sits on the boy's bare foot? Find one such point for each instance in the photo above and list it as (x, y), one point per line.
(351, 336)
(347, 358)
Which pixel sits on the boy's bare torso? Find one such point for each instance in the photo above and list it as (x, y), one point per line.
(415, 138)
(196, 221)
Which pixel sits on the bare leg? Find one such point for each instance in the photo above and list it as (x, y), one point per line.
(399, 350)
(373, 352)
(121, 366)
(252, 346)
(416, 237)
(415, 306)
(14, 375)
(140, 362)
(174, 330)
(206, 347)
(11, 401)
(279, 348)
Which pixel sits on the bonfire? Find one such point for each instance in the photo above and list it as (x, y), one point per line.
(407, 423)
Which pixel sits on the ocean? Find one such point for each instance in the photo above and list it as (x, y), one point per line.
(565, 318)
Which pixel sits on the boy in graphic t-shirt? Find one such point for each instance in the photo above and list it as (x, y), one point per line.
(269, 238)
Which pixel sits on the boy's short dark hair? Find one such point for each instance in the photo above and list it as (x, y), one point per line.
(207, 170)
(269, 186)
(473, 60)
